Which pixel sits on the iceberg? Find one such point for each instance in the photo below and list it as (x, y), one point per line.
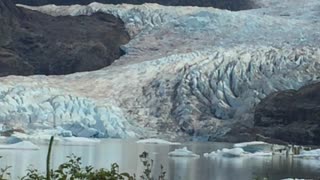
(235, 152)
(78, 141)
(157, 141)
(183, 152)
(308, 154)
(259, 154)
(252, 143)
(260, 146)
(254, 146)
(43, 136)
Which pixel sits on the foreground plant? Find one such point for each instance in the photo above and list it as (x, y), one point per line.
(72, 170)
(4, 172)
(148, 165)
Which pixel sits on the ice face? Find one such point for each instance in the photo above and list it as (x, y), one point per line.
(43, 108)
(187, 70)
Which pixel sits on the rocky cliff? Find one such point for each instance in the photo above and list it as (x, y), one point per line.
(188, 72)
(292, 115)
(35, 43)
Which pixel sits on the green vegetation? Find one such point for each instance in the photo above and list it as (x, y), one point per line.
(73, 170)
(4, 172)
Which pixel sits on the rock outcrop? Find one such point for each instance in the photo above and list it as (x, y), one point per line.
(35, 43)
(292, 115)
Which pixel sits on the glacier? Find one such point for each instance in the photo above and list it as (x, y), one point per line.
(187, 72)
(30, 109)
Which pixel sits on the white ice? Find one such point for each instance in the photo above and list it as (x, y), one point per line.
(44, 137)
(252, 143)
(235, 152)
(183, 152)
(78, 141)
(157, 141)
(309, 154)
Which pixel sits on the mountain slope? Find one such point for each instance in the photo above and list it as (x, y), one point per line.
(291, 115)
(35, 43)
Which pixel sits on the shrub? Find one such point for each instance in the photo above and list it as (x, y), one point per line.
(73, 170)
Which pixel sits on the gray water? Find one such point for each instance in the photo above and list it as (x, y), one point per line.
(126, 153)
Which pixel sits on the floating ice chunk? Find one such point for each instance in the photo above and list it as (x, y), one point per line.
(37, 136)
(78, 141)
(245, 144)
(43, 136)
(13, 140)
(309, 154)
(254, 146)
(212, 154)
(235, 152)
(183, 152)
(157, 141)
(24, 145)
(260, 154)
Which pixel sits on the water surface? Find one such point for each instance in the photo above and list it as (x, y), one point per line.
(125, 153)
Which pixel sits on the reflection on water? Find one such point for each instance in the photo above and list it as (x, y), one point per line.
(126, 153)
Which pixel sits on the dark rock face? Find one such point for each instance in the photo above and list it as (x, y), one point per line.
(291, 116)
(34, 43)
(234, 5)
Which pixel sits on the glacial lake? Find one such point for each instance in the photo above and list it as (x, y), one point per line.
(125, 153)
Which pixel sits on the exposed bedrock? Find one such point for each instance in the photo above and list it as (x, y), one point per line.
(234, 5)
(292, 115)
(35, 43)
